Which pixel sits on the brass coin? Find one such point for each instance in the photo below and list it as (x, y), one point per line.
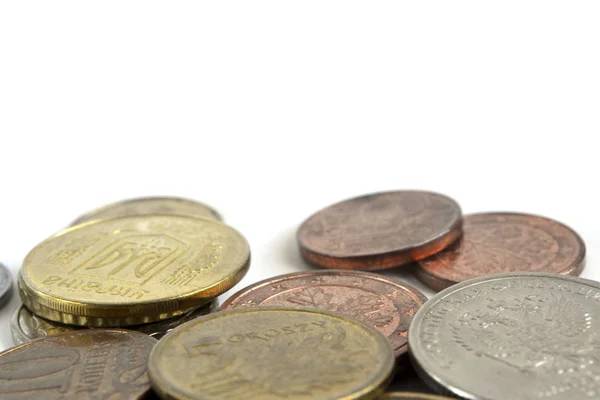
(381, 230)
(150, 206)
(85, 365)
(131, 270)
(271, 353)
(412, 396)
(26, 326)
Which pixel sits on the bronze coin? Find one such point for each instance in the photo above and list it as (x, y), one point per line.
(85, 365)
(494, 243)
(386, 304)
(381, 230)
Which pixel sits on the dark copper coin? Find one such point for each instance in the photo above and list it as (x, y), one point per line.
(386, 304)
(381, 230)
(494, 243)
(85, 365)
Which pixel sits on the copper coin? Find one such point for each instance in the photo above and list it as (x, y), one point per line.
(84, 365)
(381, 230)
(386, 304)
(494, 243)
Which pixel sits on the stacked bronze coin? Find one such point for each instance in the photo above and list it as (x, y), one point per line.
(145, 264)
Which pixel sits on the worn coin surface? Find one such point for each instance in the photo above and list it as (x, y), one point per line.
(272, 353)
(518, 336)
(5, 285)
(151, 205)
(131, 270)
(412, 396)
(90, 364)
(384, 303)
(495, 243)
(381, 230)
(26, 326)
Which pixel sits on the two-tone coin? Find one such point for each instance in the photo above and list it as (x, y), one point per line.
(517, 336)
(26, 326)
(270, 353)
(381, 230)
(86, 365)
(150, 206)
(5, 285)
(495, 243)
(132, 270)
(384, 303)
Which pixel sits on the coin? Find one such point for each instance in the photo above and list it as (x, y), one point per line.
(270, 353)
(386, 304)
(131, 270)
(517, 336)
(412, 396)
(148, 206)
(495, 243)
(381, 230)
(89, 364)
(26, 326)
(5, 285)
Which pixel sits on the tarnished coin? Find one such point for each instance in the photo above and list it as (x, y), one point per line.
(26, 326)
(131, 270)
(412, 396)
(5, 285)
(520, 336)
(271, 353)
(384, 303)
(148, 206)
(494, 243)
(380, 230)
(90, 364)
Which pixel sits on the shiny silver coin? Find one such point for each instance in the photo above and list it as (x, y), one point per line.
(5, 285)
(26, 326)
(517, 336)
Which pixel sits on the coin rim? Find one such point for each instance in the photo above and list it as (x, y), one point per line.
(575, 269)
(6, 291)
(371, 390)
(73, 312)
(390, 259)
(412, 395)
(428, 375)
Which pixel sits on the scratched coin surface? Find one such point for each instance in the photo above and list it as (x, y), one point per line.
(494, 243)
(381, 230)
(412, 396)
(148, 206)
(91, 364)
(384, 303)
(518, 336)
(272, 353)
(26, 326)
(131, 270)
(5, 285)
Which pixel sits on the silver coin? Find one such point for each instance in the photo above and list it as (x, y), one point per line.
(5, 285)
(26, 326)
(517, 336)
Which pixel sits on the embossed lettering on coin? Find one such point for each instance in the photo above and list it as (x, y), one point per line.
(523, 336)
(85, 365)
(381, 230)
(271, 353)
(505, 242)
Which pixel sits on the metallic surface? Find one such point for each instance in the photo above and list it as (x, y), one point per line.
(132, 270)
(272, 353)
(384, 303)
(518, 336)
(26, 326)
(5, 285)
(411, 396)
(495, 243)
(148, 206)
(91, 364)
(381, 230)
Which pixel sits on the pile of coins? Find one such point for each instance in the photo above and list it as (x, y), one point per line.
(510, 323)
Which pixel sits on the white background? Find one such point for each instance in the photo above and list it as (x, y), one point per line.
(271, 110)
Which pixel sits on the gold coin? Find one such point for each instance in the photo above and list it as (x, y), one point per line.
(411, 396)
(272, 353)
(150, 206)
(131, 270)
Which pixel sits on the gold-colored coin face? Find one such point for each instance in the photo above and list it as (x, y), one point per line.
(148, 206)
(271, 353)
(411, 396)
(132, 270)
